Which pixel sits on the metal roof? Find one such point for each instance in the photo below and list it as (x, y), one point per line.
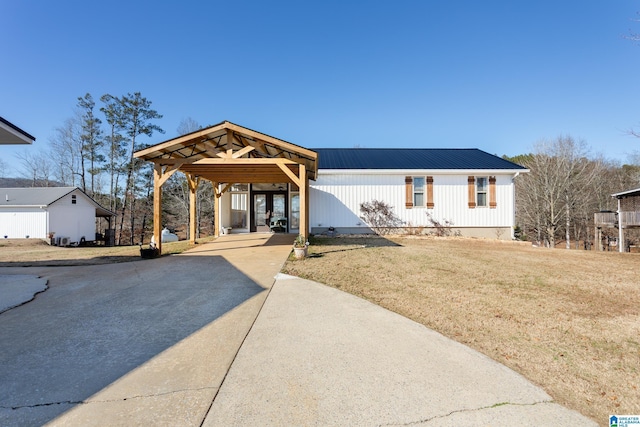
(411, 158)
(628, 193)
(12, 134)
(42, 196)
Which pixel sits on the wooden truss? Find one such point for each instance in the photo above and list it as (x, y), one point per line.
(227, 154)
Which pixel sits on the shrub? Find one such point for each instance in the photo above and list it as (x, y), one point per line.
(379, 216)
(441, 228)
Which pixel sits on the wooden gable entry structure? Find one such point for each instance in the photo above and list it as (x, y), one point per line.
(226, 154)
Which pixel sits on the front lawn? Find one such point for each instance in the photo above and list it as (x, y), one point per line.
(568, 320)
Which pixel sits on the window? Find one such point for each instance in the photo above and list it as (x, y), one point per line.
(418, 191)
(239, 205)
(294, 223)
(73, 199)
(481, 191)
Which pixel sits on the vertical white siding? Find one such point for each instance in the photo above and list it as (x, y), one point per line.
(73, 220)
(22, 222)
(335, 200)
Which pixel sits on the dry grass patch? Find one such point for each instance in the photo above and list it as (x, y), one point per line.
(35, 252)
(567, 320)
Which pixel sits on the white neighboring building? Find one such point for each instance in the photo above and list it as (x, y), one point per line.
(37, 212)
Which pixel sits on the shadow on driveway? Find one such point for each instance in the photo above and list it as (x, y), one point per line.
(107, 334)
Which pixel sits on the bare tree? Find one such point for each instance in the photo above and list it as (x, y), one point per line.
(3, 168)
(65, 148)
(176, 192)
(36, 166)
(548, 195)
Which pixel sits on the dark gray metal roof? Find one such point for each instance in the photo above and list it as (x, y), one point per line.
(411, 158)
(10, 137)
(42, 196)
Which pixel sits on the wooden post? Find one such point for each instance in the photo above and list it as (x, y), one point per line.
(193, 182)
(216, 210)
(620, 229)
(157, 206)
(304, 206)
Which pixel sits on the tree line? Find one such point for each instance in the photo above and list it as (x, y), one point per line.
(93, 150)
(557, 199)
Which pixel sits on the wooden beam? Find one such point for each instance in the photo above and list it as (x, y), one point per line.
(242, 152)
(192, 182)
(216, 211)
(224, 190)
(157, 206)
(211, 132)
(169, 170)
(304, 214)
(273, 141)
(242, 161)
(290, 174)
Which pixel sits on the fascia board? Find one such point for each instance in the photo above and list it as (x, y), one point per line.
(23, 206)
(421, 171)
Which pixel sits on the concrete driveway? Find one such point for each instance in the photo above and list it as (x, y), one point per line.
(139, 343)
(208, 338)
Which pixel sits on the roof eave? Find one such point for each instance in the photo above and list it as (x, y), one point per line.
(421, 171)
(627, 193)
(13, 135)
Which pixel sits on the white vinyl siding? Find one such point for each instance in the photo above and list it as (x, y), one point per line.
(18, 223)
(335, 200)
(73, 218)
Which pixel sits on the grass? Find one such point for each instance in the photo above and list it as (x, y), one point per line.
(567, 320)
(35, 252)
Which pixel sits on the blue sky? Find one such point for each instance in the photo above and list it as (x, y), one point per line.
(494, 75)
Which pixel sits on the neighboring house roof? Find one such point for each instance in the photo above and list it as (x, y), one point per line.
(12, 134)
(412, 159)
(628, 193)
(42, 196)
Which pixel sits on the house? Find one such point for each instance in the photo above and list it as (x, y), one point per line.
(263, 183)
(627, 217)
(470, 189)
(12, 134)
(38, 213)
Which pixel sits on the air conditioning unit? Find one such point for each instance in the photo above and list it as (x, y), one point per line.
(65, 241)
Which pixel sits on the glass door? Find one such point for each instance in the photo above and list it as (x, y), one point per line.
(260, 219)
(269, 212)
(279, 213)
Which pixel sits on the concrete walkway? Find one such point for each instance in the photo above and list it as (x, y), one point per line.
(318, 356)
(290, 352)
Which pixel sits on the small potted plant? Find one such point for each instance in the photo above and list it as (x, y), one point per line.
(300, 246)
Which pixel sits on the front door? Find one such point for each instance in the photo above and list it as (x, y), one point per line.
(269, 212)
